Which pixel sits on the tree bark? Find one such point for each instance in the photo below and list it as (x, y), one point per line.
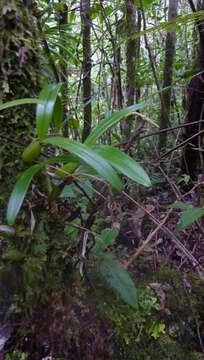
(86, 33)
(62, 22)
(19, 74)
(164, 118)
(195, 105)
(138, 47)
(130, 63)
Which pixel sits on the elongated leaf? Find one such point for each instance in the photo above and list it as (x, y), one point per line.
(19, 192)
(118, 279)
(172, 25)
(18, 102)
(58, 114)
(61, 58)
(188, 217)
(44, 112)
(111, 121)
(124, 163)
(69, 52)
(88, 156)
(107, 238)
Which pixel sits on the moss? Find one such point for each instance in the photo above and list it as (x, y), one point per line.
(132, 331)
(19, 78)
(181, 311)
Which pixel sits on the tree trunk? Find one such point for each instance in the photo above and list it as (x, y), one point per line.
(164, 119)
(63, 21)
(86, 32)
(195, 106)
(117, 79)
(131, 63)
(19, 75)
(138, 47)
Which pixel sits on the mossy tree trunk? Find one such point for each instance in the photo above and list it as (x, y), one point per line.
(19, 78)
(19, 66)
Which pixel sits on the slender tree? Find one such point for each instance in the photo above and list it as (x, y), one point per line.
(138, 50)
(86, 32)
(63, 22)
(130, 62)
(116, 88)
(167, 76)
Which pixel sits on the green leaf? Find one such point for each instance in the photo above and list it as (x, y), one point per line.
(73, 123)
(111, 121)
(180, 205)
(45, 110)
(59, 159)
(14, 255)
(118, 279)
(88, 156)
(145, 3)
(188, 217)
(86, 186)
(19, 192)
(107, 238)
(66, 170)
(68, 192)
(186, 19)
(65, 50)
(108, 10)
(19, 102)
(124, 164)
(58, 114)
(156, 330)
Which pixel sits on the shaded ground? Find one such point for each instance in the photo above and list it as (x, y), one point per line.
(84, 320)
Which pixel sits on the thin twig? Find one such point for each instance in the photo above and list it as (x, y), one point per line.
(148, 239)
(171, 184)
(173, 237)
(83, 191)
(83, 252)
(167, 130)
(182, 144)
(134, 137)
(14, 141)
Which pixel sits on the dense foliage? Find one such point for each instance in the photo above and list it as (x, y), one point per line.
(102, 175)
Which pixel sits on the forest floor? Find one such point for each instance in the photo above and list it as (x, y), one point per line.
(84, 322)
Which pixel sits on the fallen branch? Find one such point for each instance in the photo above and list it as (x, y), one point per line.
(182, 144)
(148, 239)
(173, 238)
